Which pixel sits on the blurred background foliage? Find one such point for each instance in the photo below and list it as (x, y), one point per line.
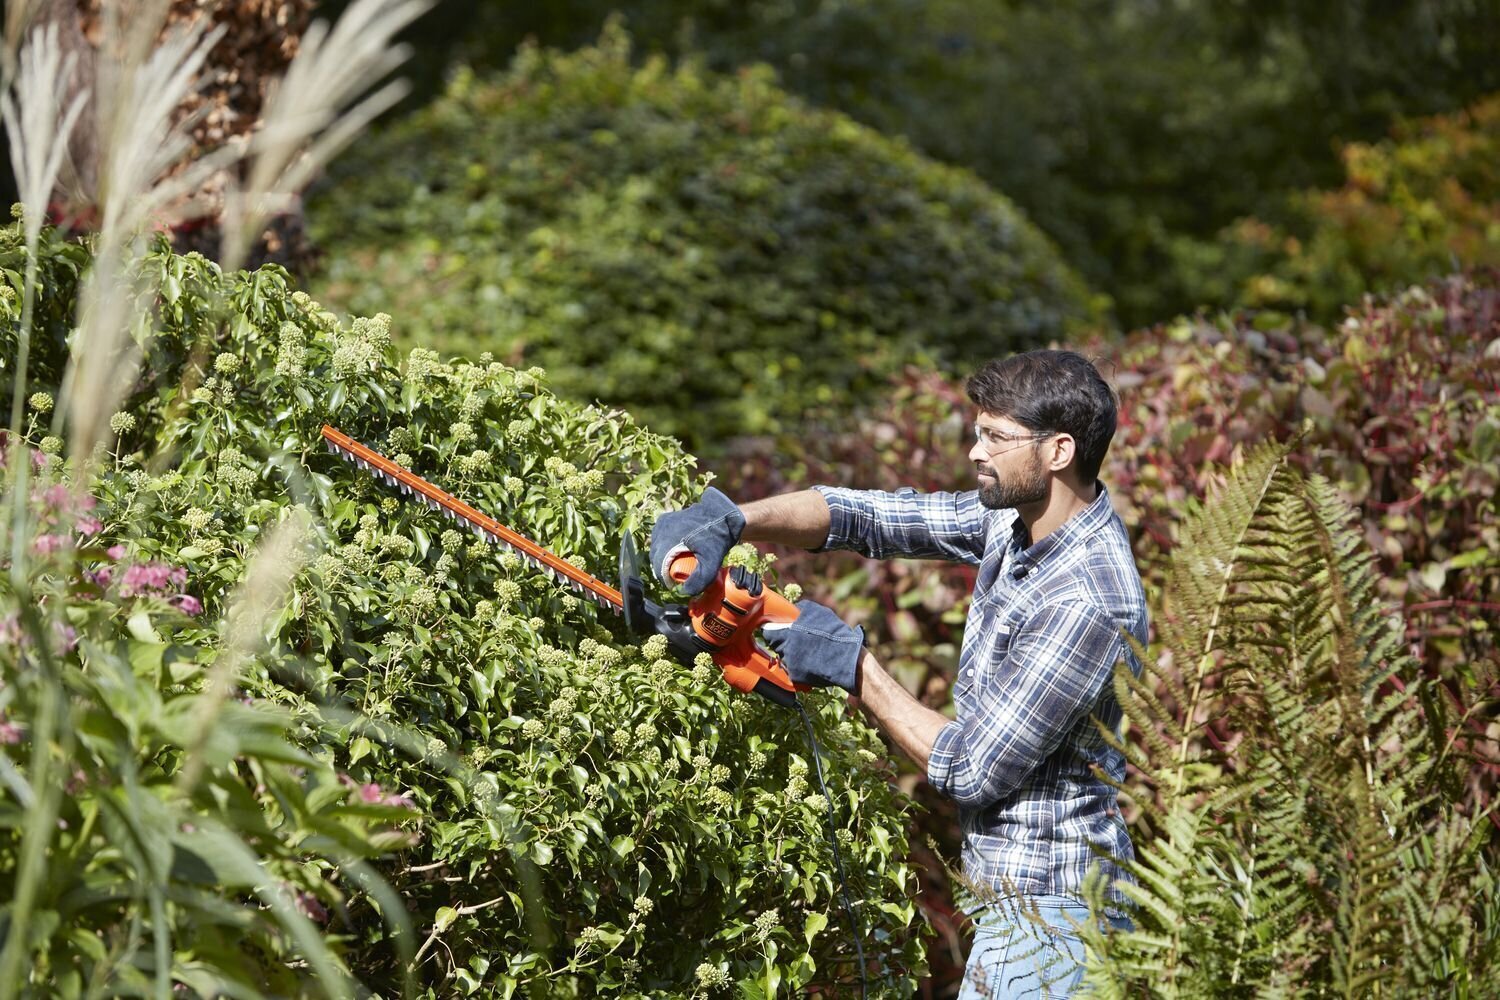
(673, 241)
(1131, 133)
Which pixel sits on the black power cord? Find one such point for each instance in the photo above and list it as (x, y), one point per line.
(833, 842)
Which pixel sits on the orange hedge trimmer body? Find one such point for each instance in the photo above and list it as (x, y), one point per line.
(721, 621)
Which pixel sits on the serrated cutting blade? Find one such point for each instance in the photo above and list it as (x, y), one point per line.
(482, 524)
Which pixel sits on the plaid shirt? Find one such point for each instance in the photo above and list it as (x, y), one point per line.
(1039, 650)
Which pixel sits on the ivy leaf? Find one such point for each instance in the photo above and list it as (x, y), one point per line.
(814, 926)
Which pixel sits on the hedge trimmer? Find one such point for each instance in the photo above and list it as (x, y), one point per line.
(721, 621)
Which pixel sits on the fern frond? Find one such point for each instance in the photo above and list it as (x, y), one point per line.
(1312, 853)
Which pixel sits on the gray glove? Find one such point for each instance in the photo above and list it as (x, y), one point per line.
(817, 648)
(708, 529)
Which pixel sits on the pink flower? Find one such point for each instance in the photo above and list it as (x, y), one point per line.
(40, 459)
(87, 526)
(189, 605)
(371, 793)
(102, 576)
(56, 496)
(10, 732)
(115, 552)
(47, 544)
(152, 577)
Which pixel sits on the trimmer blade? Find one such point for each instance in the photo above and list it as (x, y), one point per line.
(633, 589)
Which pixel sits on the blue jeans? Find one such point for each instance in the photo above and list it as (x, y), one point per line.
(1027, 951)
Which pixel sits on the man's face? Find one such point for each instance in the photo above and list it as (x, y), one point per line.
(1008, 463)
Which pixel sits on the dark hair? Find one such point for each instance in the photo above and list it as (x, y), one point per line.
(1051, 392)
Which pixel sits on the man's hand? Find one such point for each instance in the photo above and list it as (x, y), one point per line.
(708, 529)
(817, 648)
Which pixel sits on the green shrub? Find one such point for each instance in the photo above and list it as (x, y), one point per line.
(594, 819)
(1412, 208)
(701, 249)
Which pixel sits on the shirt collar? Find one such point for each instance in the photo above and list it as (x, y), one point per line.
(1087, 521)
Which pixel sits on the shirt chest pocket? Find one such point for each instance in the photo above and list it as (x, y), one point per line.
(991, 653)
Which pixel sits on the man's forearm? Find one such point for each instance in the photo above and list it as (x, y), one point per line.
(799, 519)
(911, 725)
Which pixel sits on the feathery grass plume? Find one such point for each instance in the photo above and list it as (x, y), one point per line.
(316, 110)
(141, 174)
(257, 600)
(1295, 835)
(39, 128)
(38, 124)
(19, 17)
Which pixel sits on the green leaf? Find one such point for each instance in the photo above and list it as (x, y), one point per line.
(814, 926)
(140, 626)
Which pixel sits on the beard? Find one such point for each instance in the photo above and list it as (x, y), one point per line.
(1029, 486)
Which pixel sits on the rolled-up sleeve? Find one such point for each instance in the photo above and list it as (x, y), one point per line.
(1057, 666)
(906, 524)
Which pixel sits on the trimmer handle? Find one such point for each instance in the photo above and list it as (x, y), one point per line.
(726, 617)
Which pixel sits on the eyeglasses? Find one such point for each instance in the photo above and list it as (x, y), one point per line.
(995, 441)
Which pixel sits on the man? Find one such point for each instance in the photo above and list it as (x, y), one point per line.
(1056, 594)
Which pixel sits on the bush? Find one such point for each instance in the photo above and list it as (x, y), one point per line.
(701, 249)
(1411, 208)
(592, 816)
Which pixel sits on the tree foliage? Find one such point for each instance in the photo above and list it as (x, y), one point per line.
(577, 810)
(1412, 207)
(702, 249)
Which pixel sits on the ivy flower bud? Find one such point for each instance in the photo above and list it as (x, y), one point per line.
(766, 923)
(51, 445)
(533, 729)
(41, 402)
(226, 364)
(122, 423)
(197, 519)
(710, 976)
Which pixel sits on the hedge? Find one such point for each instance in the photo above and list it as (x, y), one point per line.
(701, 249)
(572, 808)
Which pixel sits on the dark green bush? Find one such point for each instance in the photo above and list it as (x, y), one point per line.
(591, 818)
(1131, 133)
(701, 249)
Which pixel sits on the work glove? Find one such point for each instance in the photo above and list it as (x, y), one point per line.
(708, 529)
(817, 648)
